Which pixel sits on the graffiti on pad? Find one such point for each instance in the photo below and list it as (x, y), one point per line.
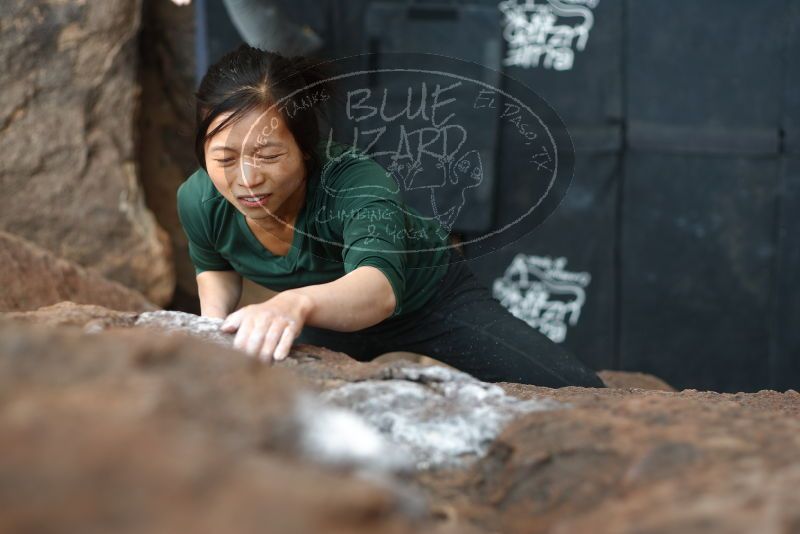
(541, 292)
(546, 33)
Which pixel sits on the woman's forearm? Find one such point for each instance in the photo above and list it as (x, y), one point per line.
(219, 292)
(361, 298)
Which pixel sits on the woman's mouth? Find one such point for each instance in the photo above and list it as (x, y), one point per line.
(255, 201)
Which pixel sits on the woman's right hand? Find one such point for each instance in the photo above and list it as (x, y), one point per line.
(268, 329)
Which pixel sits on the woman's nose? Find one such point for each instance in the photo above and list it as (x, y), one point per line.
(252, 176)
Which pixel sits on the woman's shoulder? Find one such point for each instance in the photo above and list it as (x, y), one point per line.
(348, 170)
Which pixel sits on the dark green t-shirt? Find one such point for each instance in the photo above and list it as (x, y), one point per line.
(353, 216)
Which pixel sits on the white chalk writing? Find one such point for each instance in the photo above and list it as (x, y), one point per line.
(541, 292)
(538, 32)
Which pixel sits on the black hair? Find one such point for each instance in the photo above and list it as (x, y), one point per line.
(249, 78)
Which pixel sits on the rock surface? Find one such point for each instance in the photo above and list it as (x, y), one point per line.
(32, 277)
(91, 318)
(202, 423)
(432, 416)
(642, 461)
(66, 133)
(440, 417)
(175, 435)
(628, 379)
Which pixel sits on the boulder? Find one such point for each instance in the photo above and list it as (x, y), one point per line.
(69, 174)
(630, 379)
(32, 277)
(395, 444)
(631, 460)
(122, 432)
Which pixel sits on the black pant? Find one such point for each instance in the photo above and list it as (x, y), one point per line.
(465, 327)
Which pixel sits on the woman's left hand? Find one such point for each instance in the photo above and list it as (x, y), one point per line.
(267, 330)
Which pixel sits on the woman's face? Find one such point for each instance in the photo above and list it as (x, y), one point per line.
(255, 156)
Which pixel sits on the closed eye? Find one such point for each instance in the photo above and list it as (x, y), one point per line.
(225, 161)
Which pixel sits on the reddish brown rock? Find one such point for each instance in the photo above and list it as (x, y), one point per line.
(124, 432)
(609, 460)
(32, 277)
(90, 317)
(628, 379)
(69, 175)
(639, 461)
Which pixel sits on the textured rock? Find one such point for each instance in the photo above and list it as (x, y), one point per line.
(91, 318)
(604, 461)
(176, 435)
(207, 328)
(440, 416)
(32, 277)
(69, 178)
(435, 416)
(340, 437)
(627, 379)
(639, 461)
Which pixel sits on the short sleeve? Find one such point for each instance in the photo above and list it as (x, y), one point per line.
(372, 222)
(201, 250)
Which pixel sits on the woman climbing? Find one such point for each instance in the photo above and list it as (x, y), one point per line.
(325, 226)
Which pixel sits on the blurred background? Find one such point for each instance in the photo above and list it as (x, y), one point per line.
(674, 251)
